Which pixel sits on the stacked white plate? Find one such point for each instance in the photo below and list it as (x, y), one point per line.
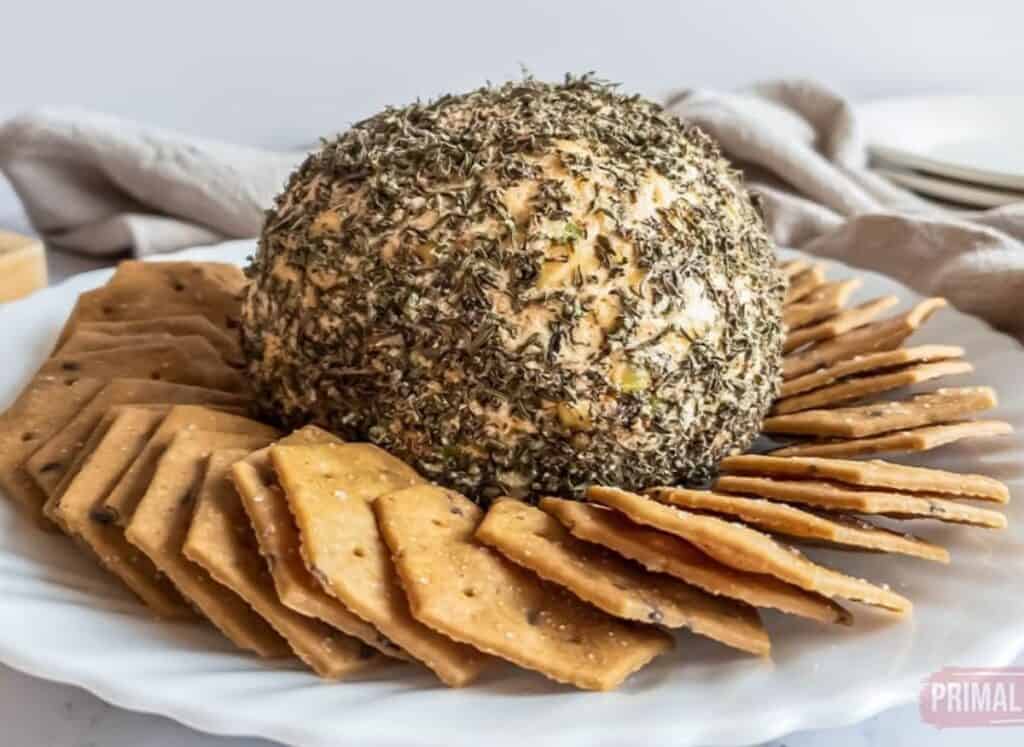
(966, 150)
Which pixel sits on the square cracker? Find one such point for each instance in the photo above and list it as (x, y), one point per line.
(40, 411)
(279, 543)
(120, 504)
(805, 282)
(161, 523)
(537, 541)
(835, 497)
(779, 518)
(182, 360)
(842, 322)
(471, 593)
(91, 342)
(908, 441)
(870, 363)
(150, 290)
(747, 549)
(52, 456)
(329, 488)
(872, 474)
(859, 387)
(225, 342)
(220, 540)
(75, 511)
(826, 301)
(941, 406)
(882, 335)
(661, 552)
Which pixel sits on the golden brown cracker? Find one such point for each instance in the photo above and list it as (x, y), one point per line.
(842, 322)
(834, 497)
(537, 541)
(224, 341)
(826, 301)
(882, 335)
(780, 518)
(472, 594)
(747, 549)
(917, 439)
(221, 541)
(944, 405)
(804, 283)
(871, 474)
(40, 411)
(793, 267)
(91, 342)
(160, 525)
(76, 511)
(279, 543)
(50, 460)
(870, 363)
(859, 387)
(151, 290)
(120, 504)
(660, 552)
(329, 488)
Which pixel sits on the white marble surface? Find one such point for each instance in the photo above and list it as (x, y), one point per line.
(35, 713)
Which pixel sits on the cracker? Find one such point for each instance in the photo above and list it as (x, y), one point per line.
(826, 301)
(471, 593)
(152, 290)
(779, 518)
(329, 488)
(917, 439)
(793, 267)
(221, 540)
(842, 322)
(859, 387)
(49, 462)
(660, 552)
(75, 511)
(941, 406)
(871, 474)
(748, 549)
(804, 283)
(279, 543)
(40, 411)
(91, 342)
(181, 360)
(870, 363)
(834, 497)
(531, 538)
(882, 335)
(225, 342)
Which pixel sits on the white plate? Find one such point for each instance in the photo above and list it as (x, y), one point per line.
(61, 618)
(973, 138)
(963, 193)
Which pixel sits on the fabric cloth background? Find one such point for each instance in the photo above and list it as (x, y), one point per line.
(100, 185)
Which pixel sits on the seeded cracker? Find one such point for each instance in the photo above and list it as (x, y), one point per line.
(469, 592)
(748, 549)
(941, 406)
(531, 538)
(872, 474)
(826, 301)
(842, 531)
(842, 322)
(329, 488)
(871, 363)
(864, 386)
(51, 460)
(279, 543)
(917, 439)
(220, 540)
(882, 335)
(833, 497)
(76, 512)
(661, 552)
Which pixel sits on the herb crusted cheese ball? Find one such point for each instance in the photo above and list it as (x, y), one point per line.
(523, 289)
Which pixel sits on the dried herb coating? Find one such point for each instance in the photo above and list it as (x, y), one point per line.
(523, 289)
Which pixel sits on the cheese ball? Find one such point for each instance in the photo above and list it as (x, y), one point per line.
(520, 290)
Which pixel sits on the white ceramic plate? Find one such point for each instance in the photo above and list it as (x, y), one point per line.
(973, 138)
(61, 618)
(962, 193)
